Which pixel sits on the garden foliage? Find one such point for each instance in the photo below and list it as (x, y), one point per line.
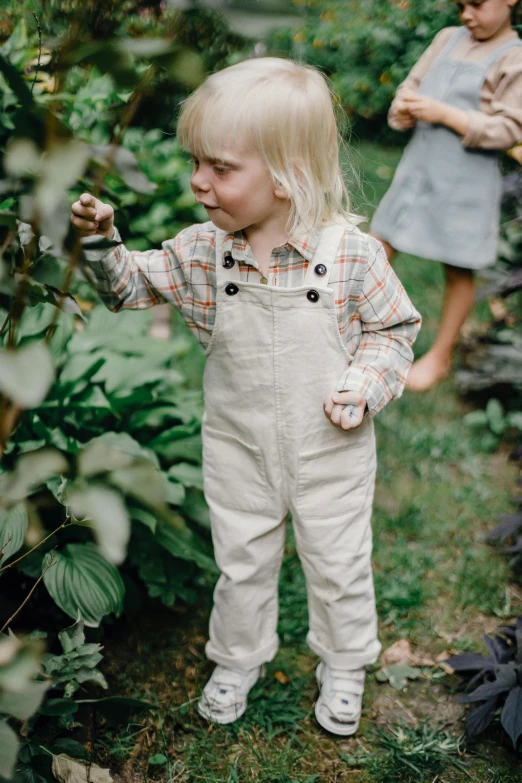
(366, 46)
(498, 681)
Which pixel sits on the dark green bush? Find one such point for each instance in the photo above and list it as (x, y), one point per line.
(366, 46)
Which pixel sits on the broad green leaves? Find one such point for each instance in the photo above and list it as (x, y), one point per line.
(8, 750)
(26, 374)
(77, 665)
(13, 527)
(21, 692)
(81, 579)
(105, 509)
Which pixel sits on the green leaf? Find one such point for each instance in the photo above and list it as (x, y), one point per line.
(397, 675)
(177, 444)
(24, 701)
(16, 82)
(13, 527)
(126, 165)
(187, 474)
(105, 508)
(26, 374)
(72, 636)
(158, 759)
(514, 419)
(59, 707)
(7, 219)
(186, 546)
(31, 471)
(495, 414)
(476, 419)
(112, 451)
(80, 578)
(8, 750)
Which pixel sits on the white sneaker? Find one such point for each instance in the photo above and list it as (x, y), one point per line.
(338, 708)
(224, 697)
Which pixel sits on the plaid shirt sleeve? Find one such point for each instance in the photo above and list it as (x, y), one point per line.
(127, 279)
(389, 326)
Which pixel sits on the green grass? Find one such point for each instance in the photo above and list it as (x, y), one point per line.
(439, 489)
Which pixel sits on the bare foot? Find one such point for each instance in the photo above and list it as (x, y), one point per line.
(427, 372)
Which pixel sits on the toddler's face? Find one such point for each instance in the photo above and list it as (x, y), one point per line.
(485, 18)
(237, 190)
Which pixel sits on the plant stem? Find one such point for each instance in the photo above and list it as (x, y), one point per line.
(39, 50)
(29, 594)
(64, 524)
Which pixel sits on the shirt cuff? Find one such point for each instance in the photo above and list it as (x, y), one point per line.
(101, 258)
(356, 381)
(473, 136)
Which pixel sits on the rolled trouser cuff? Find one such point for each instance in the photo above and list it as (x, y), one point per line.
(244, 662)
(344, 660)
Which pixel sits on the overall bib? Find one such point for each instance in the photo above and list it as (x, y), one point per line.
(444, 201)
(268, 449)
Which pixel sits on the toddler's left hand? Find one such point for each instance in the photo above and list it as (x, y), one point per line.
(344, 409)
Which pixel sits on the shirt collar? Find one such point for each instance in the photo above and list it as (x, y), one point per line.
(236, 244)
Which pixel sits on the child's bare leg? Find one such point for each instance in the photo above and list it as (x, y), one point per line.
(459, 296)
(161, 326)
(390, 251)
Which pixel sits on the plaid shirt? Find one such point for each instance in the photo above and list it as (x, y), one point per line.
(376, 319)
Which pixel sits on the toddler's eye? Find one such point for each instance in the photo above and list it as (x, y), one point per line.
(194, 161)
(220, 169)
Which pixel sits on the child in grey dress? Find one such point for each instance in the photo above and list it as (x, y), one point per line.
(464, 99)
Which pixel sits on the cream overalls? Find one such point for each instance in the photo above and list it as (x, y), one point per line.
(268, 449)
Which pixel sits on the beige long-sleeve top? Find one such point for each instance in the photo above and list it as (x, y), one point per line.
(498, 124)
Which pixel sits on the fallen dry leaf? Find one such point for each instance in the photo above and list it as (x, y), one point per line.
(419, 659)
(281, 677)
(399, 652)
(67, 770)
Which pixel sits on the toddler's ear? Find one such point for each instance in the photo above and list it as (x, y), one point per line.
(280, 191)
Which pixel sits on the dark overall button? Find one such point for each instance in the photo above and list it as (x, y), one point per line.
(231, 289)
(312, 296)
(320, 270)
(228, 261)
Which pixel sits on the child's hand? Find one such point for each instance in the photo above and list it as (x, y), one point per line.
(91, 216)
(424, 109)
(401, 113)
(344, 409)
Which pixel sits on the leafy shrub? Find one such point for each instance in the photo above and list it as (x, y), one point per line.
(497, 680)
(367, 46)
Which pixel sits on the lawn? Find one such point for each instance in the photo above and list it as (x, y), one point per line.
(440, 487)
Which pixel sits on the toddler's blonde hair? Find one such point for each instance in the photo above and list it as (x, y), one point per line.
(283, 111)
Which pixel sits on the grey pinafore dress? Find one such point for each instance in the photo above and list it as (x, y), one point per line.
(444, 201)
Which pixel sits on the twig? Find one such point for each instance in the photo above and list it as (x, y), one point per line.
(64, 524)
(31, 591)
(39, 50)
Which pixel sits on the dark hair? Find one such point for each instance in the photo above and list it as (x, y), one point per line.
(516, 15)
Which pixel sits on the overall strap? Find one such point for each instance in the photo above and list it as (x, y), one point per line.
(321, 266)
(491, 58)
(453, 41)
(224, 271)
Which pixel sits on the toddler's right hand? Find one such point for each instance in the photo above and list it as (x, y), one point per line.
(91, 216)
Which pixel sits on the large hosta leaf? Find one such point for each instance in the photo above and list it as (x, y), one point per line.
(8, 750)
(107, 511)
(81, 579)
(26, 374)
(13, 527)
